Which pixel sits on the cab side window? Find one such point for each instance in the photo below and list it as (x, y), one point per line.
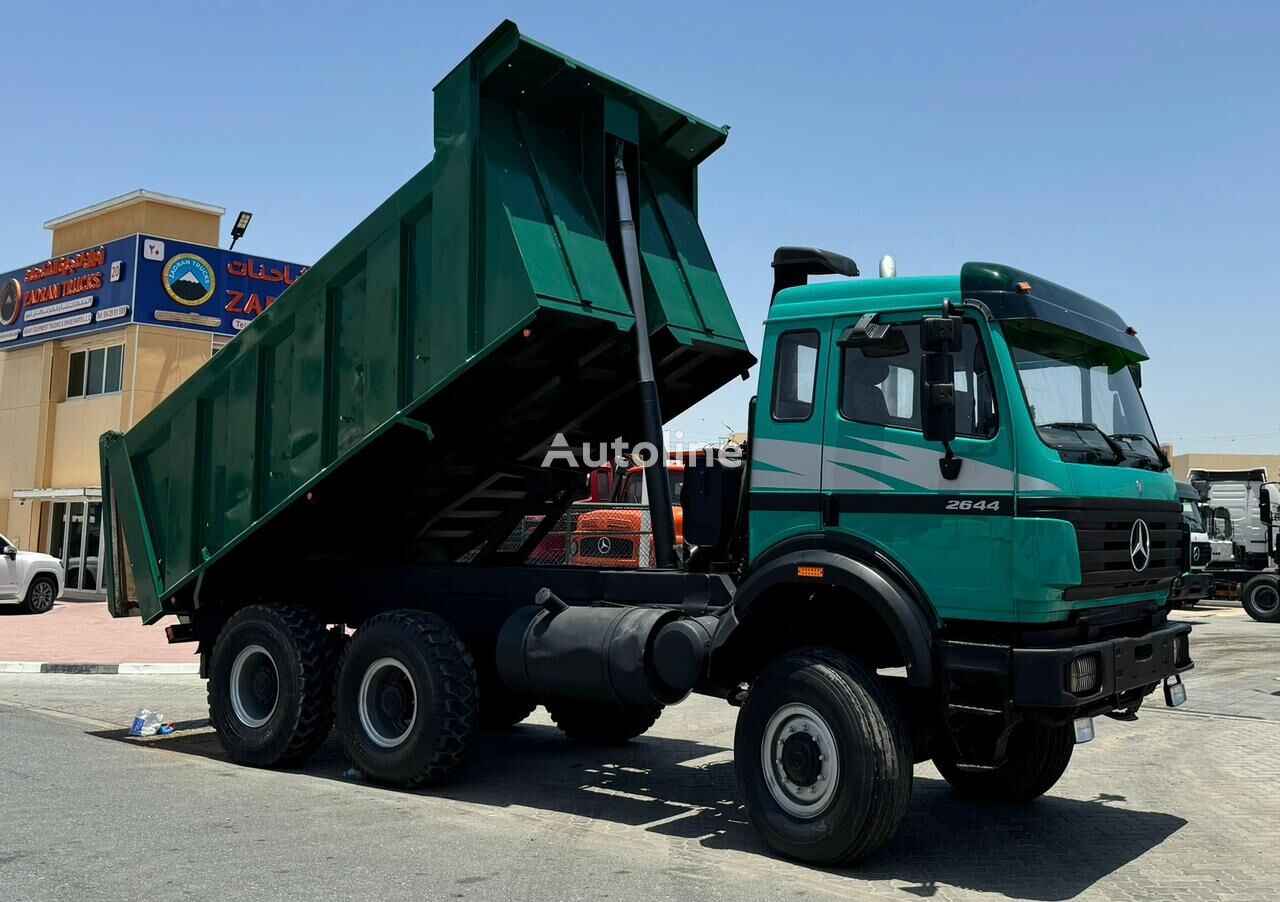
(880, 382)
(795, 373)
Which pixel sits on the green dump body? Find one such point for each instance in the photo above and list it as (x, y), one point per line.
(397, 400)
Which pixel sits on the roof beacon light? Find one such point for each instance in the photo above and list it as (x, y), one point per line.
(888, 269)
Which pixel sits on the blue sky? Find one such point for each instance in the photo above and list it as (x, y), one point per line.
(1127, 150)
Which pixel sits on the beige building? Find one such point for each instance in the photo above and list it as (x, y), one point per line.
(1197, 460)
(135, 297)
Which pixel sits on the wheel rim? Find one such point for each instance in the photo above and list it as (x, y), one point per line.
(42, 595)
(1266, 599)
(388, 703)
(800, 760)
(255, 686)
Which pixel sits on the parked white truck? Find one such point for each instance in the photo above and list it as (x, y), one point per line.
(29, 578)
(1253, 505)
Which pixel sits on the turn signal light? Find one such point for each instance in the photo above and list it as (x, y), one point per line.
(810, 572)
(1084, 674)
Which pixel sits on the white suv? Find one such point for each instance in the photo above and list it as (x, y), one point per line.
(29, 578)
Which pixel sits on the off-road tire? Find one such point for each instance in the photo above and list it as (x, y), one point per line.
(40, 595)
(1260, 598)
(873, 785)
(602, 723)
(1037, 757)
(303, 653)
(445, 692)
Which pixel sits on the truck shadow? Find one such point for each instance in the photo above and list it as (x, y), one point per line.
(1053, 849)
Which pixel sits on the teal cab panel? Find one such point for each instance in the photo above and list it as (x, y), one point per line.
(1026, 531)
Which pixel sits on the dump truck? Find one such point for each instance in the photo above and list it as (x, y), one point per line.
(950, 539)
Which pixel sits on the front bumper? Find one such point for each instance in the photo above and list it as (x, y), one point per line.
(1191, 587)
(1041, 676)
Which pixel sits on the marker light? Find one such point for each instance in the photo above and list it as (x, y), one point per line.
(1023, 287)
(810, 572)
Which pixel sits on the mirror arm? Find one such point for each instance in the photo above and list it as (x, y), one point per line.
(949, 465)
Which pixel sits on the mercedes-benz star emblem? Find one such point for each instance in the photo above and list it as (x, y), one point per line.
(603, 545)
(1140, 545)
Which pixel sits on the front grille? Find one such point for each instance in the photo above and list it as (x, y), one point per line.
(606, 547)
(1104, 528)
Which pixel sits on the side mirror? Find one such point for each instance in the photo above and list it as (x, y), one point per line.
(1264, 509)
(1135, 369)
(938, 397)
(10, 552)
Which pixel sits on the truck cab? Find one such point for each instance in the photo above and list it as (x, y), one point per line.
(1047, 497)
(617, 533)
(1201, 546)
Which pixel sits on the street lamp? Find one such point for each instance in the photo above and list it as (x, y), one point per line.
(237, 230)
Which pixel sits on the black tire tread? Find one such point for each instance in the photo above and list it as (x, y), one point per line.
(447, 655)
(888, 735)
(316, 654)
(602, 723)
(1246, 598)
(1035, 764)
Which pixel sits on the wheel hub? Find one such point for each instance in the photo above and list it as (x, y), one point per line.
(800, 760)
(1266, 599)
(388, 703)
(254, 685)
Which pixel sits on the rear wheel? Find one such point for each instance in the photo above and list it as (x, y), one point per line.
(40, 595)
(1260, 598)
(271, 685)
(1037, 757)
(822, 758)
(407, 699)
(602, 723)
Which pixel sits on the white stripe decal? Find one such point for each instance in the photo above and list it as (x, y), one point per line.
(798, 465)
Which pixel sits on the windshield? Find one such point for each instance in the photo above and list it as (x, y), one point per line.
(632, 492)
(1191, 516)
(1083, 397)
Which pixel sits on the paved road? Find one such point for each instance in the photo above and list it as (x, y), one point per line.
(1180, 804)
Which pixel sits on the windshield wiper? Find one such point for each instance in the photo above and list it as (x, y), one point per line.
(1162, 459)
(1090, 427)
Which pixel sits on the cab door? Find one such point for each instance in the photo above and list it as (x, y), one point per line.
(882, 483)
(786, 457)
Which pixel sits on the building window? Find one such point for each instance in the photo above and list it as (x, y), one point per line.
(95, 372)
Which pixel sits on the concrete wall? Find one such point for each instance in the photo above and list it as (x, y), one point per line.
(147, 216)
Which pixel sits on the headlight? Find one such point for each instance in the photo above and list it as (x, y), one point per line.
(1181, 650)
(1083, 674)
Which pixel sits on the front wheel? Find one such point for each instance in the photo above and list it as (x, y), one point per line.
(1260, 598)
(1036, 758)
(822, 758)
(40, 595)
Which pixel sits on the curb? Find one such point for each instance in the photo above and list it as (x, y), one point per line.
(46, 667)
